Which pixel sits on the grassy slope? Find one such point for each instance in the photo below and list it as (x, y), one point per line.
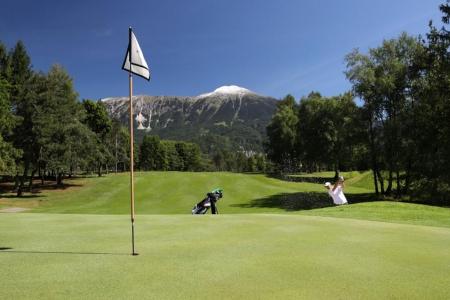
(171, 192)
(253, 256)
(177, 192)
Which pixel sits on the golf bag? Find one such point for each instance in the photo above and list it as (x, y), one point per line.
(202, 207)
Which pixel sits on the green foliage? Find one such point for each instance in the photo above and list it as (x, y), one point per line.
(23, 96)
(317, 133)
(119, 143)
(8, 154)
(169, 155)
(97, 119)
(328, 132)
(152, 154)
(430, 142)
(405, 86)
(281, 133)
(64, 141)
(189, 155)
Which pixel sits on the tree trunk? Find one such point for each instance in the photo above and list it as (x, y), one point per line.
(399, 191)
(116, 154)
(373, 156)
(16, 181)
(390, 180)
(375, 182)
(40, 172)
(59, 179)
(407, 178)
(30, 183)
(22, 179)
(381, 180)
(99, 170)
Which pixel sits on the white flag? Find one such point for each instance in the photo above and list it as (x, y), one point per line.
(138, 64)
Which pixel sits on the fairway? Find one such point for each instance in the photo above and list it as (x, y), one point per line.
(178, 192)
(65, 256)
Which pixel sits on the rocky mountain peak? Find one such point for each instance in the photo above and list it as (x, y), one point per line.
(227, 90)
(231, 114)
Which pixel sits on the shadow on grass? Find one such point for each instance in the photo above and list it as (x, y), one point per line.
(8, 250)
(7, 189)
(302, 201)
(14, 196)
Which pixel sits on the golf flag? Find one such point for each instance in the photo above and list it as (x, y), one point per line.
(134, 61)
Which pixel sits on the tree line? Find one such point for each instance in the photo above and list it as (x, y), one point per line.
(400, 130)
(47, 133)
(166, 155)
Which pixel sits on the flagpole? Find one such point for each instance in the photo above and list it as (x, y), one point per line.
(130, 78)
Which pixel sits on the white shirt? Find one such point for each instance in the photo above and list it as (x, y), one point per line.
(338, 195)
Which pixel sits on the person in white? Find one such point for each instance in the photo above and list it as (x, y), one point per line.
(336, 191)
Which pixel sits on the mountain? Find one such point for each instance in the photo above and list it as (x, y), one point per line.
(230, 116)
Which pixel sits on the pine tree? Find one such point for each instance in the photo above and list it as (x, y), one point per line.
(62, 136)
(23, 100)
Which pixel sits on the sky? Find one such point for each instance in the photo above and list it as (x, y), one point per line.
(272, 47)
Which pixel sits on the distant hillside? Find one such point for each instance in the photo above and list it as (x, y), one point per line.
(230, 116)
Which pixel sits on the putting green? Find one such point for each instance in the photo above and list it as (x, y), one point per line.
(241, 256)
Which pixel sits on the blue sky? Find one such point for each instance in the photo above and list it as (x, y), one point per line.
(273, 47)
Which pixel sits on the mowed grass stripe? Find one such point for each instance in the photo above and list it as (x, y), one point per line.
(256, 256)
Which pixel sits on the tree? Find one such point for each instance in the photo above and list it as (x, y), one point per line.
(5, 63)
(59, 129)
(190, 156)
(8, 154)
(97, 119)
(430, 179)
(152, 154)
(328, 132)
(174, 161)
(261, 163)
(382, 80)
(23, 100)
(219, 161)
(316, 132)
(241, 161)
(281, 133)
(119, 140)
(251, 165)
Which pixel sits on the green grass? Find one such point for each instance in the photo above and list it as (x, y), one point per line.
(170, 192)
(387, 211)
(256, 256)
(273, 239)
(177, 192)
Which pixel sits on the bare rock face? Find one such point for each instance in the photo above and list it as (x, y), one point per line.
(235, 114)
